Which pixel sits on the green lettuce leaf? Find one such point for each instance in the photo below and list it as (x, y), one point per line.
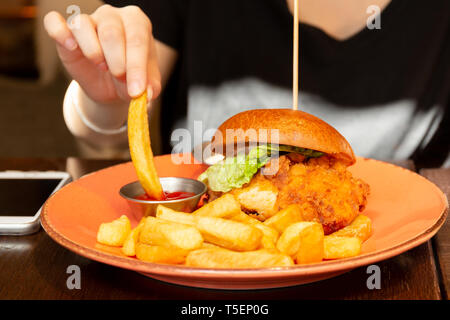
(234, 172)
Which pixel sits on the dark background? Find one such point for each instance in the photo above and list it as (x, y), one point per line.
(31, 122)
(33, 83)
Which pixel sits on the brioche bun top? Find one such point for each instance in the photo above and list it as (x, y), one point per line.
(295, 128)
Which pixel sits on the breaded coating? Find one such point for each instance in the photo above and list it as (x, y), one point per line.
(259, 196)
(323, 187)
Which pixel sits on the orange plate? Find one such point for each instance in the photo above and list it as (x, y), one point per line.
(406, 210)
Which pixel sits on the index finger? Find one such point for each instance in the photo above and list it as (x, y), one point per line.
(57, 29)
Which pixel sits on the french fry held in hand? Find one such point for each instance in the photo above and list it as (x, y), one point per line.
(129, 245)
(340, 247)
(223, 207)
(160, 232)
(304, 241)
(221, 258)
(229, 234)
(285, 217)
(160, 254)
(114, 233)
(140, 148)
(361, 228)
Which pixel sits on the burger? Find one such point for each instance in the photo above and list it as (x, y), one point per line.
(275, 158)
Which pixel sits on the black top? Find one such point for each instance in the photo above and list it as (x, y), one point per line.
(386, 90)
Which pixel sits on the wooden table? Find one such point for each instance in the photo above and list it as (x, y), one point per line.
(34, 266)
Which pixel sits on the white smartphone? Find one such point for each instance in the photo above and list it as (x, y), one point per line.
(22, 194)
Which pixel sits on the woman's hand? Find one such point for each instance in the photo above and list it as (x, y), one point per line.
(111, 53)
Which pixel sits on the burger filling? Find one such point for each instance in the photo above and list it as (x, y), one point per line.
(264, 184)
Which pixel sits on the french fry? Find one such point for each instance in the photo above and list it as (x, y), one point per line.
(114, 233)
(245, 218)
(303, 240)
(340, 247)
(159, 232)
(168, 214)
(223, 207)
(267, 243)
(285, 217)
(207, 245)
(129, 245)
(140, 148)
(361, 228)
(267, 231)
(160, 254)
(229, 234)
(311, 245)
(214, 258)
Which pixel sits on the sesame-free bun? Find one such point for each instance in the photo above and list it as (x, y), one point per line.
(295, 128)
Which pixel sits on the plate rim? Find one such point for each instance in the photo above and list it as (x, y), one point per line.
(249, 273)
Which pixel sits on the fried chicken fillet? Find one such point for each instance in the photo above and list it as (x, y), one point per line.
(323, 187)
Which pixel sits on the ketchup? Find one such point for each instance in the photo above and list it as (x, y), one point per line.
(177, 195)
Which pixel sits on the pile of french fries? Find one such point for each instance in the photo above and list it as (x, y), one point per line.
(220, 235)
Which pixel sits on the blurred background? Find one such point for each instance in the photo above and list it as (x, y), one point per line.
(33, 83)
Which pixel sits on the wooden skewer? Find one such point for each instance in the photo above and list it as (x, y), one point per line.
(295, 62)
